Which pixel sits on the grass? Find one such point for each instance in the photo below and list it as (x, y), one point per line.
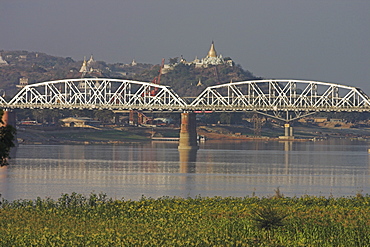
(76, 220)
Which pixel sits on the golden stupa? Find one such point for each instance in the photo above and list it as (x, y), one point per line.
(212, 52)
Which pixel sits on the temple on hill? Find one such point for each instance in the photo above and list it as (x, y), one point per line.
(211, 59)
(89, 68)
(2, 61)
(84, 67)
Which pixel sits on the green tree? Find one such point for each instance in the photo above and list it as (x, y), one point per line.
(225, 118)
(7, 135)
(104, 116)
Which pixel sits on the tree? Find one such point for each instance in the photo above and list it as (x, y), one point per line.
(7, 135)
(104, 116)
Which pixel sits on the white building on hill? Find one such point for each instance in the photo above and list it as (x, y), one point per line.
(2, 61)
(211, 59)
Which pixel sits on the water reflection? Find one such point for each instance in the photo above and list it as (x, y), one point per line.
(217, 168)
(187, 158)
(187, 165)
(288, 146)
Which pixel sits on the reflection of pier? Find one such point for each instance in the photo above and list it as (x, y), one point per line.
(188, 157)
(187, 162)
(288, 146)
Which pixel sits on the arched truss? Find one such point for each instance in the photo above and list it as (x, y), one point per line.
(97, 93)
(2, 101)
(286, 100)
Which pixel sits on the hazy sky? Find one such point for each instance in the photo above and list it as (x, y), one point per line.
(323, 40)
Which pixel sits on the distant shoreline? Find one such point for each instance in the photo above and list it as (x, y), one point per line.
(129, 135)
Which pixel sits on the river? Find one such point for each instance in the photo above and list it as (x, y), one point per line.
(323, 168)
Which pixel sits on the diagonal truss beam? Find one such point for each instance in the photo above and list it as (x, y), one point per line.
(90, 93)
(277, 98)
(286, 100)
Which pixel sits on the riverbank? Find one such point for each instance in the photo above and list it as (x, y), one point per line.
(120, 135)
(76, 220)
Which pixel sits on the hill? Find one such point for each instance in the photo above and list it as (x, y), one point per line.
(39, 67)
(187, 80)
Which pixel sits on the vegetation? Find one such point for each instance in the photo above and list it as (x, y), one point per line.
(76, 220)
(186, 80)
(7, 135)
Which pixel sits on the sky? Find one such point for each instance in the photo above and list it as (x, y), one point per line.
(322, 40)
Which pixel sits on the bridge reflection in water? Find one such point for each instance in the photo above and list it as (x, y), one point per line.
(160, 169)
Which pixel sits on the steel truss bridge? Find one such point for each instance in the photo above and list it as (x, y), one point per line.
(286, 100)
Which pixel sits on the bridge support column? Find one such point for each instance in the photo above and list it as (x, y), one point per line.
(288, 132)
(188, 131)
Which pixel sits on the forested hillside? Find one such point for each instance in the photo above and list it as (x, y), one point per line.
(186, 80)
(40, 67)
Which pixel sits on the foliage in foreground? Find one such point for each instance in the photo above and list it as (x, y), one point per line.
(76, 220)
(7, 137)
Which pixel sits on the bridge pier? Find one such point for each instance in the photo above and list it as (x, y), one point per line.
(288, 132)
(188, 131)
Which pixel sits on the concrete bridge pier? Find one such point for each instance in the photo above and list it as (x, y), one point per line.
(288, 132)
(188, 131)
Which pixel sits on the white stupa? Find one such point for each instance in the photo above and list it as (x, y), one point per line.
(3, 62)
(84, 66)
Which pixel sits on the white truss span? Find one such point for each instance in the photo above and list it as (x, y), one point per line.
(282, 99)
(97, 93)
(2, 101)
(275, 98)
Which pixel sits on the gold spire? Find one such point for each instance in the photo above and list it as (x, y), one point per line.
(84, 66)
(212, 52)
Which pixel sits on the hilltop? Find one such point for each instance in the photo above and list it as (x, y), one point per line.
(185, 79)
(39, 67)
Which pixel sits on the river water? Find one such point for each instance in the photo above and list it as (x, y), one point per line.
(324, 168)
